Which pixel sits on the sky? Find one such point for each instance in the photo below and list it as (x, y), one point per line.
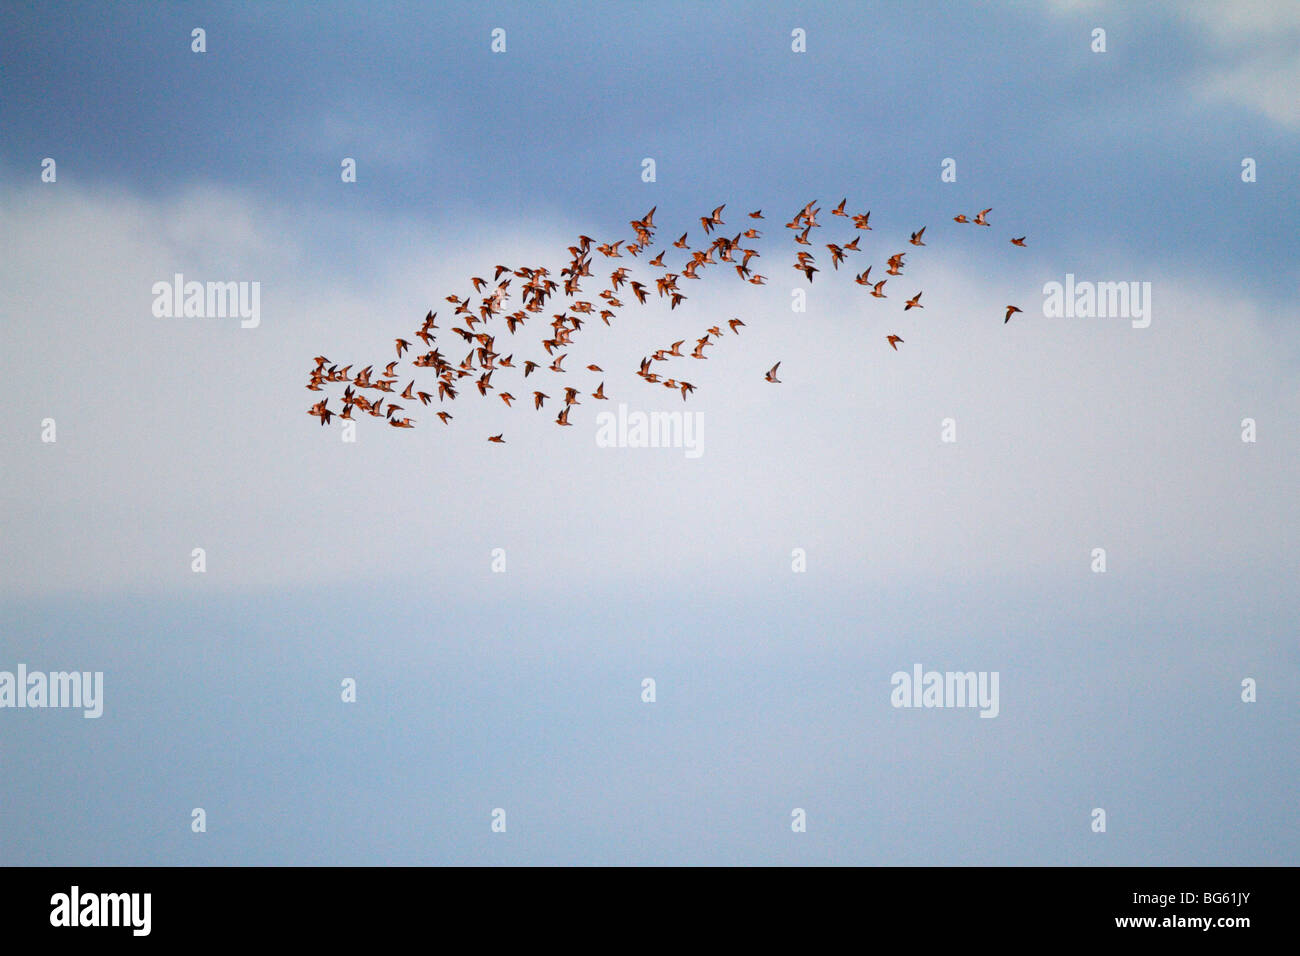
(824, 539)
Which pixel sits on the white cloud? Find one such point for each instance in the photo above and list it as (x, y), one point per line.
(1253, 49)
(1243, 21)
(1258, 45)
(1267, 84)
(188, 432)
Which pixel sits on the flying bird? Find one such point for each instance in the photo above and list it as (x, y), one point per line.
(714, 219)
(533, 291)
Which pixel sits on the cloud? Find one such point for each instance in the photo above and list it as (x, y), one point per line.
(1236, 22)
(1258, 46)
(1266, 84)
(183, 433)
(1251, 51)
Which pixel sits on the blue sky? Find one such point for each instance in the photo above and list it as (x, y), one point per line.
(1111, 145)
(522, 690)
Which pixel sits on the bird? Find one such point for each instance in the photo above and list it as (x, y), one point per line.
(531, 290)
(805, 265)
(714, 219)
(321, 411)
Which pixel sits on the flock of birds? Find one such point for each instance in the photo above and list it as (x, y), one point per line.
(536, 287)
